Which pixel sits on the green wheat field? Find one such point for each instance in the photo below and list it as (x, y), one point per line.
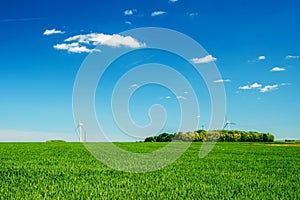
(230, 171)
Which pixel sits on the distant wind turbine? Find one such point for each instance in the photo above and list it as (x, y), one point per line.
(228, 124)
(81, 132)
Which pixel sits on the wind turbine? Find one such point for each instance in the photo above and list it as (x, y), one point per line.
(81, 132)
(228, 124)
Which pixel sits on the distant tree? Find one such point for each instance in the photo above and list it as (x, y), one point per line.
(200, 136)
(264, 137)
(212, 136)
(55, 141)
(149, 139)
(184, 136)
(270, 137)
(217, 135)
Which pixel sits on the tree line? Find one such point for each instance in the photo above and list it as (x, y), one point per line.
(217, 135)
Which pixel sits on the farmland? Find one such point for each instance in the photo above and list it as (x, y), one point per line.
(230, 171)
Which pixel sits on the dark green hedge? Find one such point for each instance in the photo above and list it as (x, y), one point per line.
(217, 135)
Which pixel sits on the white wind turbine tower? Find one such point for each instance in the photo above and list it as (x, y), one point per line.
(81, 132)
(228, 124)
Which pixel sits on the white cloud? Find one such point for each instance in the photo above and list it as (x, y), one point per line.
(168, 97)
(114, 40)
(277, 69)
(291, 57)
(205, 59)
(173, 1)
(74, 48)
(269, 88)
(86, 42)
(260, 87)
(53, 31)
(193, 14)
(258, 59)
(261, 57)
(222, 81)
(284, 84)
(185, 92)
(249, 87)
(255, 85)
(135, 85)
(128, 22)
(181, 97)
(130, 12)
(156, 13)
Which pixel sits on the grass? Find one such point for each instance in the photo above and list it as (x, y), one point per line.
(230, 171)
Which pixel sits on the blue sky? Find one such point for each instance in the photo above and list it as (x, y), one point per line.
(255, 45)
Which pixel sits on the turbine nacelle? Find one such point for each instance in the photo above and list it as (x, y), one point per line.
(228, 124)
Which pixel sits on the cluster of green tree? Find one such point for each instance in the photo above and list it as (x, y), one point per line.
(221, 136)
(55, 141)
(164, 137)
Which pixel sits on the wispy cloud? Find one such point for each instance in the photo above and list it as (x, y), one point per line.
(277, 69)
(130, 12)
(249, 87)
(193, 14)
(205, 59)
(261, 57)
(82, 43)
(114, 40)
(128, 22)
(181, 97)
(222, 81)
(74, 48)
(291, 57)
(260, 87)
(284, 84)
(269, 88)
(133, 86)
(173, 1)
(52, 31)
(19, 19)
(156, 13)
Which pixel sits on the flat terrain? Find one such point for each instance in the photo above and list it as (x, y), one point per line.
(230, 171)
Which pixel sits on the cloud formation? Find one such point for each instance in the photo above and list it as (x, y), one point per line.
(222, 81)
(74, 48)
(82, 43)
(52, 31)
(193, 14)
(291, 57)
(130, 12)
(114, 40)
(277, 69)
(173, 1)
(156, 13)
(260, 87)
(133, 86)
(262, 57)
(269, 88)
(249, 87)
(181, 97)
(205, 59)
